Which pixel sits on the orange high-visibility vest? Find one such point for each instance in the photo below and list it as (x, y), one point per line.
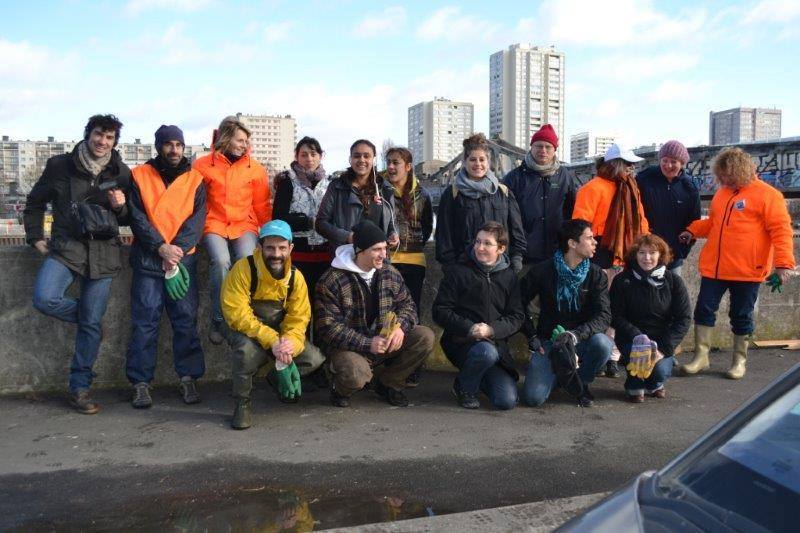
(167, 208)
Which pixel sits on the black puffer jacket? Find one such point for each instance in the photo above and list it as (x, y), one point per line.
(460, 217)
(594, 311)
(467, 296)
(94, 259)
(341, 209)
(544, 204)
(662, 313)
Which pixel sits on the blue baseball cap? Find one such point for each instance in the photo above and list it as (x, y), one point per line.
(276, 228)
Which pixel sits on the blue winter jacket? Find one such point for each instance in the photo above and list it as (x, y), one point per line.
(669, 207)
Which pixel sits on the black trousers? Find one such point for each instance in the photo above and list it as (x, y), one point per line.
(414, 276)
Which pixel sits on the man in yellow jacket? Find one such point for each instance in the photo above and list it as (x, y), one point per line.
(265, 303)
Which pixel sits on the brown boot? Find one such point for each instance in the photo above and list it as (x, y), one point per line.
(702, 345)
(83, 403)
(737, 369)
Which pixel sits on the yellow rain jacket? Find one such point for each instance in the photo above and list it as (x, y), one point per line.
(239, 314)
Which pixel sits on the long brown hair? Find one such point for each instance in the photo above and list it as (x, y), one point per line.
(406, 198)
(611, 170)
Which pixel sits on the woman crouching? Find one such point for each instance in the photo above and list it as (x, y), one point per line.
(651, 314)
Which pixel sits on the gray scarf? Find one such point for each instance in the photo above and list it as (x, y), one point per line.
(89, 162)
(476, 189)
(501, 264)
(543, 170)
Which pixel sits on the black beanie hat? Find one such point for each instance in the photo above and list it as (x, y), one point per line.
(366, 235)
(168, 133)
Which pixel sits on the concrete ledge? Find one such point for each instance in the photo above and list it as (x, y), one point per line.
(537, 517)
(36, 350)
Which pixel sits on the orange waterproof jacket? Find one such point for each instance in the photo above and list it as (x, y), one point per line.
(237, 195)
(746, 229)
(593, 202)
(167, 208)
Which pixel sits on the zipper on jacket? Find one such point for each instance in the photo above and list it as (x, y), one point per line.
(726, 218)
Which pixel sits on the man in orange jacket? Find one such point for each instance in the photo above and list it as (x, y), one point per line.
(749, 232)
(168, 210)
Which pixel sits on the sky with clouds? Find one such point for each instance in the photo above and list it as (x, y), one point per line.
(644, 70)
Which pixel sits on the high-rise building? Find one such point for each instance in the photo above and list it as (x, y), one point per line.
(526, 91)
(135, 153)
(584, 145)
(744, 124)
(437, 128)
(22, 162)
(272, 140)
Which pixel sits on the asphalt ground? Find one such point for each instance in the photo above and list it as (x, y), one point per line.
(179, 467)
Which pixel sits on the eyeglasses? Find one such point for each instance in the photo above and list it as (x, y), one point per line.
(486, 244)
(543, 146)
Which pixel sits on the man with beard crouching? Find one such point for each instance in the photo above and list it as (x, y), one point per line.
(265, 303)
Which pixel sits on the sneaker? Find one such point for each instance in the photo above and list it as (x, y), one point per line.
(141, 396)
(337, 400)
(659, 393)
(465, 399)
(188, 388)
(612, 369)
(215, 335)
(83, 403)
(413, 379)
(242, 414)
(635, 398)
(392, 396)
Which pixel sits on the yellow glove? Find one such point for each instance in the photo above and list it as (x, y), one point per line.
(643, 358)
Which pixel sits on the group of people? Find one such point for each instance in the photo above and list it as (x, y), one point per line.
(323, 279)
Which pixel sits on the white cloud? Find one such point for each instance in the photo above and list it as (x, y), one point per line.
(135, 7)
(623, 22)
(174, 46)
(772, 11)
(28, 72)
(680, 91)
(279, 31)
(448, 23)
(391, 20)
(626, 67)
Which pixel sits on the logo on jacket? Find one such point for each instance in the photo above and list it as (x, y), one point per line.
(739, 205)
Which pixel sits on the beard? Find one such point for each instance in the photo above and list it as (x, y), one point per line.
(275, 265)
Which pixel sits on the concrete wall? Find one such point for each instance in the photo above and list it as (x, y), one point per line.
(35, 350)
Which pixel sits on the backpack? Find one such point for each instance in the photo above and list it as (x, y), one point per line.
(562, 359)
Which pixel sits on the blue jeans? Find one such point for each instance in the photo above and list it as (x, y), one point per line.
(222, 253)
(480, 371)
(743, 301)
(540, 380)
(148, 300)
(86, 311)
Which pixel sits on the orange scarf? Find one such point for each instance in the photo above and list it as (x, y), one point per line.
(623, 223)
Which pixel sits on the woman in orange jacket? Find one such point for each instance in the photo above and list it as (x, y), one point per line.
(610, 202)
(748, 232)
(237, 198)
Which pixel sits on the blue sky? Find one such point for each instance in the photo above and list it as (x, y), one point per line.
(647, 71)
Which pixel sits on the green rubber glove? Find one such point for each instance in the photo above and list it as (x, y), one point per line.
(177, 285)
(774, 283)
(288, 388)
(556, 332)
(295, 377)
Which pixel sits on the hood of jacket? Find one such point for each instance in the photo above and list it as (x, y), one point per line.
(345, 259)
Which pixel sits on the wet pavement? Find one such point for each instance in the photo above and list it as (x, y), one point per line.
(312, 466)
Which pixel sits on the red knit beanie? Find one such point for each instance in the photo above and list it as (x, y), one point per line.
(546, 133)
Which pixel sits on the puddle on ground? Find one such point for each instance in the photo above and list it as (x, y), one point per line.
(249, 510)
